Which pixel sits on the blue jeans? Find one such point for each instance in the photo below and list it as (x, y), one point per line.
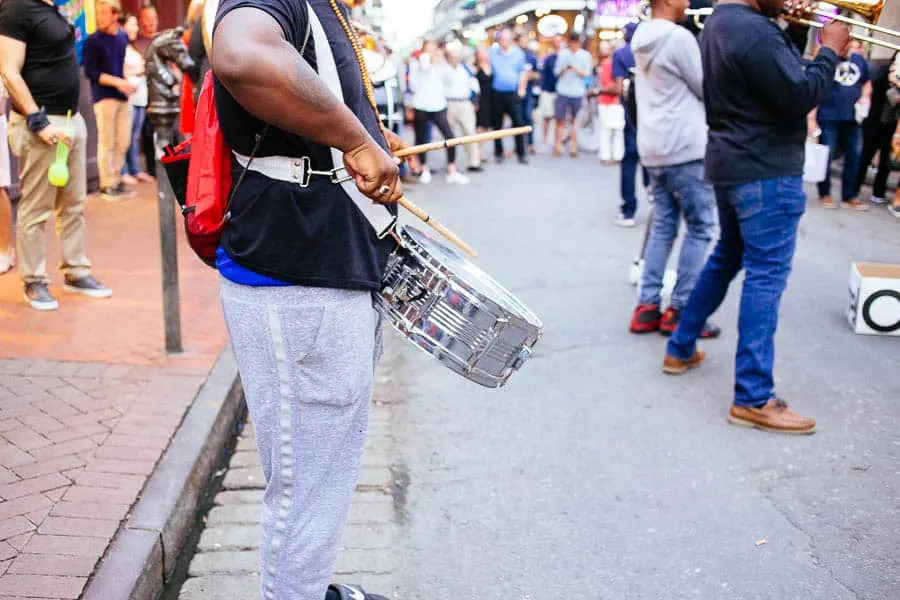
(628, 172)
(132, 163)
(758, 223)
(677, 191)
(846, 136)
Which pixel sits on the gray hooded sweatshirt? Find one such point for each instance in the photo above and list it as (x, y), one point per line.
(671, 127)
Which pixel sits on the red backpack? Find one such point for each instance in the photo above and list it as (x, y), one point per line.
(199, 170)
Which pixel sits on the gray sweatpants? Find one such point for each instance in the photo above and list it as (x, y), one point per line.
(307, 358)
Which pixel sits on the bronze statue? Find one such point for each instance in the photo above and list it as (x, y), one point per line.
(164, 88)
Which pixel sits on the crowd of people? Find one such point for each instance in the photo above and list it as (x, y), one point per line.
(42, 78)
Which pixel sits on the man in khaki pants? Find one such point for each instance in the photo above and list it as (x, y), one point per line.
(104, 65)
(459, 87)
(44, 85)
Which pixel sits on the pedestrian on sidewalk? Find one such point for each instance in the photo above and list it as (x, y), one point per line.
(610, 113)
(671, 138)
(461, 87)
(428, 77)
(758, 94)
(135, 74)
(532, 79)
(7, 249)
(484, 112)
(572, 69)
(39, 67)
(622, 64)
(839, 128)
(104, 66)
(878, 130)
(300, 266)
(510, 70)
(546, 109)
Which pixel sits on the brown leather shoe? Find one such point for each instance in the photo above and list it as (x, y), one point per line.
(774, 415)
(676, 366)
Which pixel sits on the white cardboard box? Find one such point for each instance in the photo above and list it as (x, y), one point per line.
(874, 307)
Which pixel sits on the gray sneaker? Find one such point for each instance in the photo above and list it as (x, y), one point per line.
(124, 191)
(38, 295)
(88, 286)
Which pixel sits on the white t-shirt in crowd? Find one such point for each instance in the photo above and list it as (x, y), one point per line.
(134, 73)
(427, 81)
(459, 84)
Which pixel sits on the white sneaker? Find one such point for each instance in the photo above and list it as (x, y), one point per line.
(621, 221)
(876, 199)
(425, 177)
(457, 177)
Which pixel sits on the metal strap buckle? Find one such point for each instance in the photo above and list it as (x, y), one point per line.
(306, 173)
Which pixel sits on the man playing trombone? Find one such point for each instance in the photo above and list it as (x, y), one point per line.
(757, 94)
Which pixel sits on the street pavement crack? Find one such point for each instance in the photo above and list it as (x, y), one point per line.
(813, 550)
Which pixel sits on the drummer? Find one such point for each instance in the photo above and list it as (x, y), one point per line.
(299, 268)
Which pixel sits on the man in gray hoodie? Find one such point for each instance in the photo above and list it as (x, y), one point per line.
(671, 139)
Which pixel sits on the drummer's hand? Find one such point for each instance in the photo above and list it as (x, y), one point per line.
(374, 172)
(395, 143)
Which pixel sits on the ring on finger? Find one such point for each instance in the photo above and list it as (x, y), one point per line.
(384, 190)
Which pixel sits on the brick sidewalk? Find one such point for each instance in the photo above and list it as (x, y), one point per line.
(89, 400)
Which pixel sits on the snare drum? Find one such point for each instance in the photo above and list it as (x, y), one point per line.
(455, 311)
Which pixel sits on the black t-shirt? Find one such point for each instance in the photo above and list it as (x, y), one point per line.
(757, 93)
(51, 68)
(312, 236)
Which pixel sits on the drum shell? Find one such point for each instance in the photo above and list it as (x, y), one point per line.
(463, 327)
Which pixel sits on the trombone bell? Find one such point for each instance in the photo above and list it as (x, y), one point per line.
(870, 10)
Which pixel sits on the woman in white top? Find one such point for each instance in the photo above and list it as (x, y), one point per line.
(134, 73)
(427, 78)
(7, 252)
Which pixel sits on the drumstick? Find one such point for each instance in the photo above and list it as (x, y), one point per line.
(469, 139)
(426, 218)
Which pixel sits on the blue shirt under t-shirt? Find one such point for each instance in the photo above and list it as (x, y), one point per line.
(508, 68)
(849, 78)
(105, 53)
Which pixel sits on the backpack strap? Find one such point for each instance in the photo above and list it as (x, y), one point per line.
(378, 215)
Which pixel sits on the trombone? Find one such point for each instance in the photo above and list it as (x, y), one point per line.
(870, 10)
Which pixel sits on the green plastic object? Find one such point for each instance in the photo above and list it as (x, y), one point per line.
(59, 170)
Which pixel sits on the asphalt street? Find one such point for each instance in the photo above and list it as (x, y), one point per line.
(593, 475)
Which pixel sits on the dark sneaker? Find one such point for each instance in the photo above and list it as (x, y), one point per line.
(349, 592)
(645, 319)
(38, 295)
(894, 210)
(523, 160)
(111, 194)
(478, 169)
(88, 286)
(125, 192)
(774, 415)
(669, 324)
(676, 366)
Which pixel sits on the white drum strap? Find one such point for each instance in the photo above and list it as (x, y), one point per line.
(378, 215)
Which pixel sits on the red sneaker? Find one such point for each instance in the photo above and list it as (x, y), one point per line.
(646, 319)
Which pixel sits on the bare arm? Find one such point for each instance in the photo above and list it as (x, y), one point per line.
(270, 79)
(12, 59)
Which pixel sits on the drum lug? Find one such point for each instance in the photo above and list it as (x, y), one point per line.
(524, 353)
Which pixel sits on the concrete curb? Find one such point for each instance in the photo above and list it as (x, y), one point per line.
(144, 552)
